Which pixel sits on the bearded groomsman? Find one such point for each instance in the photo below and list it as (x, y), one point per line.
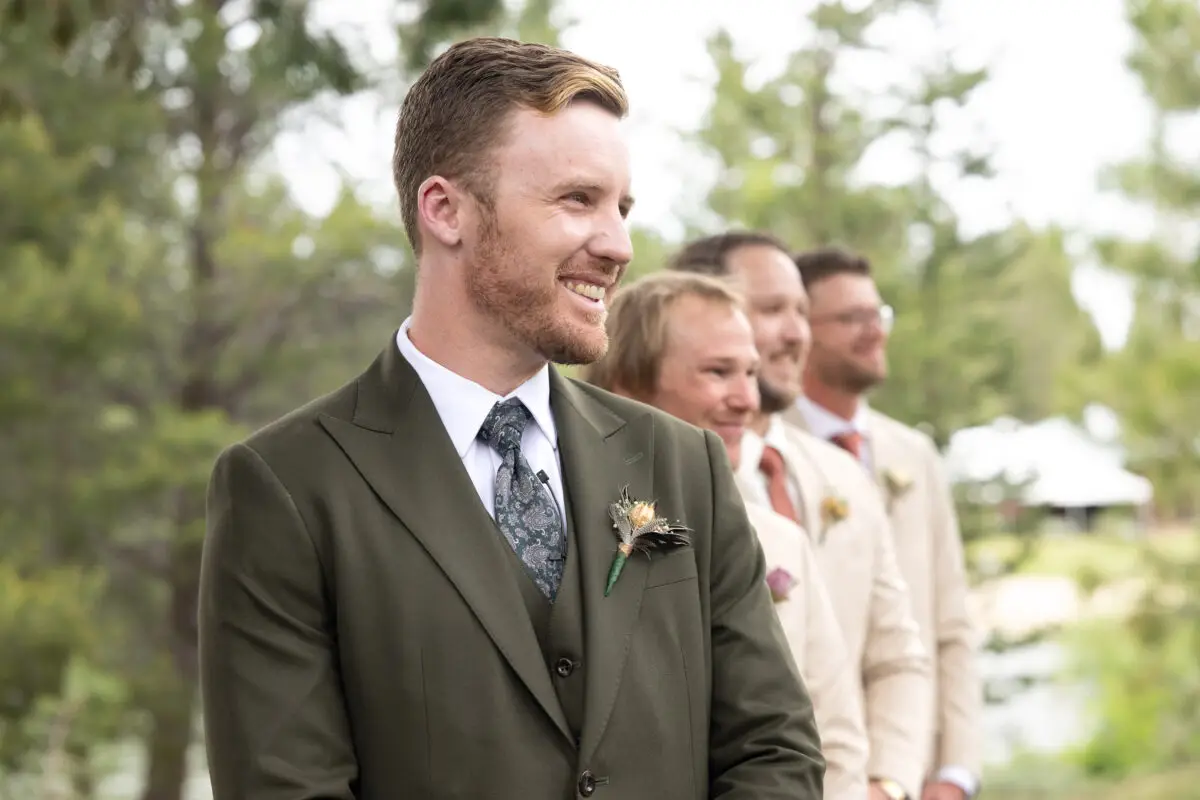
(850, 326)
(682, 343)
(822, 489)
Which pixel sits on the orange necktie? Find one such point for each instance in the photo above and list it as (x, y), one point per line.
(771, 466)
(851, 442)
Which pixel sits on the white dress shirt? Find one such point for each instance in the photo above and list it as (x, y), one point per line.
(824, 424)
(463, 405)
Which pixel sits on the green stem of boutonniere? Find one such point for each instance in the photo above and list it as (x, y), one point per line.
(614, 572)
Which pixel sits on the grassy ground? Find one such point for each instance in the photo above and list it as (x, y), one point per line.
(1105, 556)
(1179, 785)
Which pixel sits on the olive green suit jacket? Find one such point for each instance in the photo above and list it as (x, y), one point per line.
(362, 634)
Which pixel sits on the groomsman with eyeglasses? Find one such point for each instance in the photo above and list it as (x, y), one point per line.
(828, 496)
(850, 327)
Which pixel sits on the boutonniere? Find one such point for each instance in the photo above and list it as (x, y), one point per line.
(897, 483)
(780, 582)
(834, 509)
(639, 527)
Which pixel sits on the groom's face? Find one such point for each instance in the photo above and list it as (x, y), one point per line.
(551, 249)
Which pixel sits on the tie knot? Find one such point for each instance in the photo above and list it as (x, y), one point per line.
(850, 441)
(504, 425)
(771, 463)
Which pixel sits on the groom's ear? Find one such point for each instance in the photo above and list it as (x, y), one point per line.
(440, 206)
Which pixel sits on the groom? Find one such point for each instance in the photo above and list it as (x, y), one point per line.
(404, 589)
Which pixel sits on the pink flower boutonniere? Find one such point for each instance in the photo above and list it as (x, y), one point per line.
(781, 582)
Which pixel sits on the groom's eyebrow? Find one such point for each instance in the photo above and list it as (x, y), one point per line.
(625, 204)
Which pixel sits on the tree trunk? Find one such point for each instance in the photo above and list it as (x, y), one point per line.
(167, 745)
(172, 708)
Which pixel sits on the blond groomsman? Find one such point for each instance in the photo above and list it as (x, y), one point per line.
(850, 326)
(822, 489)
(682, 343)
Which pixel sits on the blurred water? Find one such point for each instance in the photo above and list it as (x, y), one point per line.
(1048, 716)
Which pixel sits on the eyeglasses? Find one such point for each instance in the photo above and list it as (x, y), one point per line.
(884, 317)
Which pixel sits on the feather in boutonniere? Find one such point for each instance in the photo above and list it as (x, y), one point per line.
(639, 527)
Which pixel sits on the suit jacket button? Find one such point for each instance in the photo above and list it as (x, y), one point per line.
(587, 784)
(564, 667)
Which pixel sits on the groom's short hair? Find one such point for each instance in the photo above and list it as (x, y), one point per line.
(456, 111)
(638, 321)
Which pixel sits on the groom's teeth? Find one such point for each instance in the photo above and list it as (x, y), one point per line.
(588, 290)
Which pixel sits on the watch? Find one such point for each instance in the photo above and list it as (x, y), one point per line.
(893, 790)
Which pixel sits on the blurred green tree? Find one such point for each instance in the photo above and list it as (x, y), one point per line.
(1154, 381)
(164, 295)
(1148, 681)
(791, 153)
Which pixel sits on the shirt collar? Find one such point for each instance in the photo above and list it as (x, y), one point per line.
(824, 424)
(463, 404)
(776, 433)
(751, 453)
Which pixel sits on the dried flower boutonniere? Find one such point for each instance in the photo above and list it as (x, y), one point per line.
(639, 527)
(780, 582)
(834, 509)
(896, 483)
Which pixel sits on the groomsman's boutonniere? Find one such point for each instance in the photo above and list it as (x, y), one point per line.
(897, 484)
(639, 527)
(781, 582)
(834, 509)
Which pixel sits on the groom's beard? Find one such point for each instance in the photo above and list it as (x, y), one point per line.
(524, 298)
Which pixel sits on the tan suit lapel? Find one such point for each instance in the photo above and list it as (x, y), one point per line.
(887, 456)
(793, 416)
(398, 443)
(881, 454)
(602, 453)
(812, 483)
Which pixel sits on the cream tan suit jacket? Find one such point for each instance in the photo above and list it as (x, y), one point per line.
(812, 632)
(930, 552)
(857, 559)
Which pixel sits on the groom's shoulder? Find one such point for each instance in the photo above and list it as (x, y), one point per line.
(297, 437)
(670, 433)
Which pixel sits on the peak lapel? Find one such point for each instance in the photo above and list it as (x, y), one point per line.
(814, 487)
(398, 443)
(602, 453)
(884, 453)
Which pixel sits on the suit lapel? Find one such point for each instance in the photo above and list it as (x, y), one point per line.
(879, 452)
(601, 453)
(399, 444)
(812, 482)
(793, 416)
(884, 455)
